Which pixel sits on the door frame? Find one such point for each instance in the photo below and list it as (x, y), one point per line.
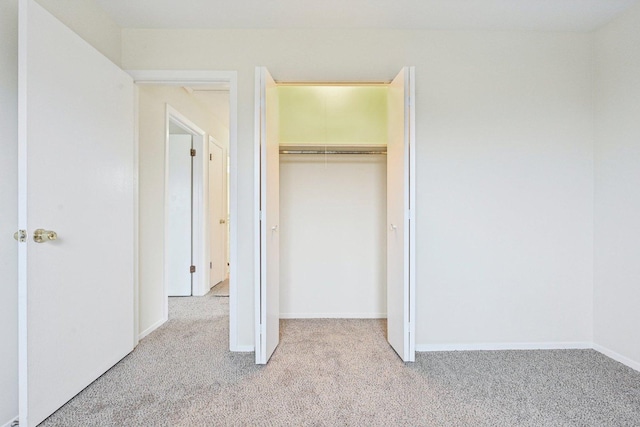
(409, 210)
(198, 213)
(202, 78)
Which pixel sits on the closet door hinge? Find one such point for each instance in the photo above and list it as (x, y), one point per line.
(20, 236)
(210, 157)
(192, 269)
(193, 152)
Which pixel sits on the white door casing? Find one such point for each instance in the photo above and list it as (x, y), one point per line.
(197, 78)
(179, 215)
(267, 142)
(77, 178)
(217, 212)
(400, 216)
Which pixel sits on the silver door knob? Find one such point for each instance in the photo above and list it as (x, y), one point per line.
(42, 236)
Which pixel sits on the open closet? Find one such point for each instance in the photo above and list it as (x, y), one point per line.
(333, 166)
(335, 225)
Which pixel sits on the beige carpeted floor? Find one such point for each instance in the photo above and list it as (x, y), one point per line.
(221, 289)
(343, 373)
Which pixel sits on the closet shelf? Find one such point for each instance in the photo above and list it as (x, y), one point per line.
(333, 149)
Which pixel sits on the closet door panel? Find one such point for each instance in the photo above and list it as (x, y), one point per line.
(268, 296)
(400, 289)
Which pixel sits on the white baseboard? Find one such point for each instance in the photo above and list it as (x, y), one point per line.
(8, 423)
(151, 328)
(243, 348)
(505, 346)
(617, 357)
(333, 315)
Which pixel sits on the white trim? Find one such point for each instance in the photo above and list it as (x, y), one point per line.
(136, 216)
(245, 349)
(233, 212)
(151, 328)
(257, 232)
(412, 213)
(23, 383)
(617, 357)
(333, 315)
(505, 346)
(183, 77)
(11, 421)
(203, 77)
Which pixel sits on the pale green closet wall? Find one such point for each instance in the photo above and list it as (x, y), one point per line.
(333, 114)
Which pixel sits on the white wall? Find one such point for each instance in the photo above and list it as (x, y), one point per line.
(333, 236)
(617, 208)
(152, 101)
(504, 157)
(90, 22)
(8, 210)
(505, 192)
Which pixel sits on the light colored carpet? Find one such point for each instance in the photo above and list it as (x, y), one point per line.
(221, 289)
(343, 373)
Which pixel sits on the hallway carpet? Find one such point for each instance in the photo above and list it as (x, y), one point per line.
(221, 289)
(343, 373)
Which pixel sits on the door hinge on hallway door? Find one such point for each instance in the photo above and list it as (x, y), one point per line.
(193, 152)
(192, 269)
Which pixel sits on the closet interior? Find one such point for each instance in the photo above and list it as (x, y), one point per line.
(333, 179)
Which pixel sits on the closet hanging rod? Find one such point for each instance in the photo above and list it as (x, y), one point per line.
(337, 83)
(289, 148)
(330, 152)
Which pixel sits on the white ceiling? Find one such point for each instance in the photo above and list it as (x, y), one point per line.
(540, 15)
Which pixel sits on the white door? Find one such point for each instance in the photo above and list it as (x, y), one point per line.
(76, 178)
(400, 216)
(217, 213)
(268, 295)
(179, 215)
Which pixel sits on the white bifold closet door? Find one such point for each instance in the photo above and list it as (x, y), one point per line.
(180, 216)
(77, 179)
(400, 215)
(267, 294)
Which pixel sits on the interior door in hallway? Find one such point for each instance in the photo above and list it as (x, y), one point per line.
(76, 206)
(268, 293)
(180, 215)
(400, 215)
(217, 213)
